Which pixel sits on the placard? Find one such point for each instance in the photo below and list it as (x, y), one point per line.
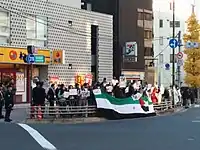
(73, 92)
(20, 82)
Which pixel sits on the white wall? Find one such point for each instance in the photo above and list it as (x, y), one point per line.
(164, 75)
(71, 3)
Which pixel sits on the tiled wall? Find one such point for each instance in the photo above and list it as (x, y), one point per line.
(74, 39)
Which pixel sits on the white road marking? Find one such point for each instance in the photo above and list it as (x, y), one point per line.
(196, 106)
(38, 137)
(196, 121)
(190, 139)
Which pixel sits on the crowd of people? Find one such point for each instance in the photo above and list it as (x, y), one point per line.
(82, 95)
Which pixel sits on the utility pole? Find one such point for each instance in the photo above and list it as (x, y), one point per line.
(178, 67)
(173, 50)
(173, 53)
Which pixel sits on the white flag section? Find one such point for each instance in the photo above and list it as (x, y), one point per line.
(137, 104)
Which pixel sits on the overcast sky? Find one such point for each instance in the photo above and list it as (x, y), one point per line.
(183, 7)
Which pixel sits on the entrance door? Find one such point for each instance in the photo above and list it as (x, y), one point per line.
(8, 77)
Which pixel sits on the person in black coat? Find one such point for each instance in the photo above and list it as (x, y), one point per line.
(185, 96)
(9, 103)
(131, 90)
(118, 93)
(51, 95)
(39, 94)
(1, 101)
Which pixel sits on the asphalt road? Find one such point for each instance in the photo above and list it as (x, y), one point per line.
(174, 132)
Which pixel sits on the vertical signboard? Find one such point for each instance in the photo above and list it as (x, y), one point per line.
(131, 50)
(58, 57)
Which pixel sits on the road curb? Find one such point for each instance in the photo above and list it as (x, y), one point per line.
(66, 121)
(21, 106)
(171, 111)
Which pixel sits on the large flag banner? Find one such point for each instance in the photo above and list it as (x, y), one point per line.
(135, 106)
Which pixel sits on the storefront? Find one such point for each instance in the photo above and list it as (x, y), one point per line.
(133, 76)
(14, 70)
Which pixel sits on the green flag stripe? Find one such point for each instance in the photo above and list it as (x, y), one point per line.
(117, 101)
(146, 99)
(121, 101)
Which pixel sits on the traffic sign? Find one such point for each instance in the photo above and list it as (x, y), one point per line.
(167, 66)
(179, 55)
(30, 58)
(180, 62)
(173, 43)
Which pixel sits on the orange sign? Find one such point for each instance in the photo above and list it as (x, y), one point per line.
(13, 55)
(57, 57)
(81, 79)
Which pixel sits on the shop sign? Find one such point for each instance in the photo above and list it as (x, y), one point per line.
(133, 75)
(39, 59)
(57, 57)
(14, 55)
(130, 53)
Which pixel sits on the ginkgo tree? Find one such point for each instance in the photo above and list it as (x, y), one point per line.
(192, 62)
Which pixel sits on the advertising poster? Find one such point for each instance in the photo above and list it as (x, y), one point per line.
(20, 81)
(130, 53)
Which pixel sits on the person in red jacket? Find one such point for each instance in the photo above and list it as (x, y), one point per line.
(153, 95)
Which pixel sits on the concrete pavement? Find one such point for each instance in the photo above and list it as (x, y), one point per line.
(175, 131)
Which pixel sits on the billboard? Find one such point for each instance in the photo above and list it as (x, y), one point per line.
(130, 52)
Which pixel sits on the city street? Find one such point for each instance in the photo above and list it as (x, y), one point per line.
(177, 131)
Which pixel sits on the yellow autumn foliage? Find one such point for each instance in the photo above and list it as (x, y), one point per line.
(192, 63)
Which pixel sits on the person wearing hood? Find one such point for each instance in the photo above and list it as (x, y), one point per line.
(117, 91)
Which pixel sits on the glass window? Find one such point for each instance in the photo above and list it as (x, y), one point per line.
(161, 58)
(41, 28)
(177, 24)
(161, 40)
(148, 34)
(148, 16)
(171, 58)
(37, 31)
(161, 23)
(140, 16)
(148, 51)
(4, 27)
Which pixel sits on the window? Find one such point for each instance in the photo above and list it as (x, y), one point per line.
(148, 51)
(161, 40)
(140, 16)
(148, 34)
(161, 23)
(148, 16)
(161, 59)
(37, 31)
(177, 24)
(4, 27)
(171, 58)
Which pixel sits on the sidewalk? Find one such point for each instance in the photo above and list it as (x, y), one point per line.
(21, 105)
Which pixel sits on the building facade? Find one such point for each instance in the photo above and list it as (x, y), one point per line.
(84, 37)
(133, 23)
(163, 31)
(70, 3)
